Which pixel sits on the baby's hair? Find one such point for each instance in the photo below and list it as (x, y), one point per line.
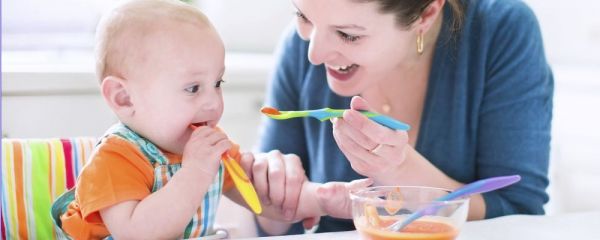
(136, 17)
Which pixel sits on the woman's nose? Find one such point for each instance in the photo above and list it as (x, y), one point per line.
(320, 48)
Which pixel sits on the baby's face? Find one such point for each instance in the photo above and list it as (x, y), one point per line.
(177, 83)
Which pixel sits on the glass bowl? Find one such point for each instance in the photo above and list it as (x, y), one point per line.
(375, 208)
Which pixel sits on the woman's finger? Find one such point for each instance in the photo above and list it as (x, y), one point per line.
(347, 143)
(359, 103)
(358, 152)
(246, 161)
(294, 178)
(372, 130)
(355, 134)
(260, 179)
(276, 177)
(359, 165)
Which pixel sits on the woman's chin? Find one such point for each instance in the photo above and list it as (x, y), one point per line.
(345, 89)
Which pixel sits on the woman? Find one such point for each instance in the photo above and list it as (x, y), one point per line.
(469, 76)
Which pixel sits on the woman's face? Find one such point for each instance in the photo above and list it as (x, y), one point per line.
(358, 45)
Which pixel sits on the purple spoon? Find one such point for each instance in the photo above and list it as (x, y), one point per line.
(480, 186)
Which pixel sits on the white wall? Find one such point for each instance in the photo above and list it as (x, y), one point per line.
(249, 25)
(571, 31)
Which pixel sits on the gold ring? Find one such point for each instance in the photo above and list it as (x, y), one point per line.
(376, 148)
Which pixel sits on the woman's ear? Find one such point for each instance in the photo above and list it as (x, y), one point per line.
(429, 15)
(115, 93)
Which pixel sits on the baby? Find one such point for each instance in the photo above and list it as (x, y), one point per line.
(157, 174)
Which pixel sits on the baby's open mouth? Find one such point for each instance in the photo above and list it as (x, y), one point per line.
(199, 124)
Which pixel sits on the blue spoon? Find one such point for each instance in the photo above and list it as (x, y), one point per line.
(480, 186)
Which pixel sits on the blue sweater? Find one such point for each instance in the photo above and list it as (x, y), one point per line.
(487, 111)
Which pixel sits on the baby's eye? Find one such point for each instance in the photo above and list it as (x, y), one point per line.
(193, 89)
(218, 84)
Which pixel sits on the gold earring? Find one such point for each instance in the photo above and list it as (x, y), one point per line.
(420, 43)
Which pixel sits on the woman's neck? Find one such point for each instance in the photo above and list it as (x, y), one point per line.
(402, 93)
(416, 71)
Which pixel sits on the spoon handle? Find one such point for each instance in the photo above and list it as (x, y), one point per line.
(327, 113)
(480, 186)
(242, 183)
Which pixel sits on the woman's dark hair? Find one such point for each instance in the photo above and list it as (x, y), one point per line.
(408, 11)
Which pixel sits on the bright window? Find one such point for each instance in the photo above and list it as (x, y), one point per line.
(50, 25)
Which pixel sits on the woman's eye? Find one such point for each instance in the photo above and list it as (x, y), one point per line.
(347, 37)
(193, 89)
(218, 85)
(301, 16)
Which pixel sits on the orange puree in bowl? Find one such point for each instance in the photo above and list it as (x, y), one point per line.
(421, 229)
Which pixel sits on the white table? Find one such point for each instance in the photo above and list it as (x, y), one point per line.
(585, 225)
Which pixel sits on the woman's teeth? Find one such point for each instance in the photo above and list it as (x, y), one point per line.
(344, 69)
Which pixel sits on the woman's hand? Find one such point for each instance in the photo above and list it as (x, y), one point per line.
(277, 178)
(373, 150)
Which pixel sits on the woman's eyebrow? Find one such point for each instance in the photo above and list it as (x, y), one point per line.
(349, 26)
(339, 27)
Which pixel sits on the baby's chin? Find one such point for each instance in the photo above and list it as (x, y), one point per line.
(173, 149)
(173, 144)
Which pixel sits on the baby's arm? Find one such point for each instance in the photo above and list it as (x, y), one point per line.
(316, 200)
(165, 213)
(332, 198)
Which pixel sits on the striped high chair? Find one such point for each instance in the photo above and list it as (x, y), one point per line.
(33, 173)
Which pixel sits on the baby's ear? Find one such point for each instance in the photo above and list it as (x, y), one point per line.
(115, 93)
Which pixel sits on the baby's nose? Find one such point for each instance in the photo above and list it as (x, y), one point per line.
(211, 107)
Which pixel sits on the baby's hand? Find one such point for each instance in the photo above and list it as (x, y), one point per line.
(203, 150)
(334, 197)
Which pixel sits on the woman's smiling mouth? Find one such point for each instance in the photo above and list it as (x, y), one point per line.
(342, 73)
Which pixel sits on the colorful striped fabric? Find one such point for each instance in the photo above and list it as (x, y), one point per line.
(33, 173)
